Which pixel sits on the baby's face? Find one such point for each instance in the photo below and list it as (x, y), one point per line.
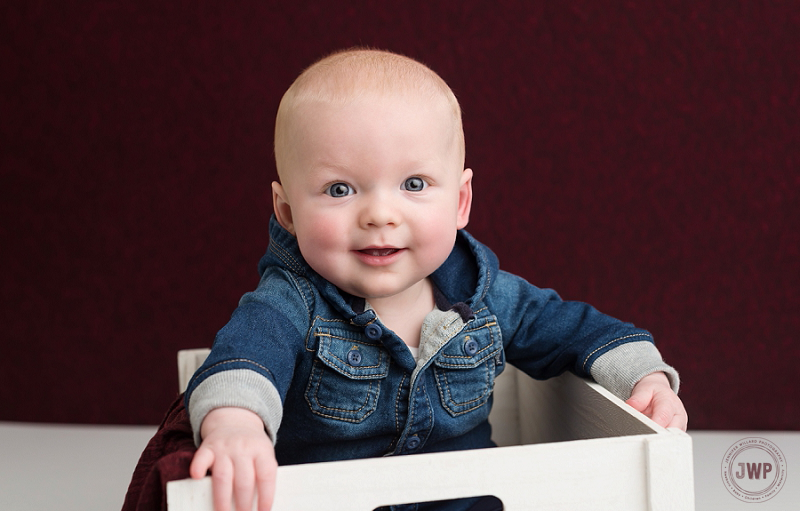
(374, 192)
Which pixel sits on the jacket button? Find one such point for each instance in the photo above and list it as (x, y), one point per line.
(373, 332)
(412, 443)
(471, 347)
(354, 357)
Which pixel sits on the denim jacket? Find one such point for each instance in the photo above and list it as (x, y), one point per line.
(332, 382)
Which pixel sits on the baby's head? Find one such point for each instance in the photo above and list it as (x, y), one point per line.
(370, 154)
(350, 75)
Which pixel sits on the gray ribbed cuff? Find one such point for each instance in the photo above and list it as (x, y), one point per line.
(242, 388)
(621, 368)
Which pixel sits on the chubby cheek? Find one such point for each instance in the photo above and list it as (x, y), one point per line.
(437, 239)
(320, 238)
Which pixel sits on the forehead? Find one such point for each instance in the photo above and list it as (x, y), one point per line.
(390, 109)
(373, 127)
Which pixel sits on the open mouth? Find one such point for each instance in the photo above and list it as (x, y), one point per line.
(379, 252)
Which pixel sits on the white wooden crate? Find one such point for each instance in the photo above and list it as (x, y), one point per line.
(566, 444)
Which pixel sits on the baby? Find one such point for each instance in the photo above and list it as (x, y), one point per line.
(379, 325)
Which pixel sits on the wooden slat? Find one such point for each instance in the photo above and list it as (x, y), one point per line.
(604, 474)
(570, 408)
(188, 362)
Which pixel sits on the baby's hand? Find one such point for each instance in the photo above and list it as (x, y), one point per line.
(241, 458)
(654, 397)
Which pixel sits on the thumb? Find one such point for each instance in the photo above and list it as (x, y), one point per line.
(638, 400)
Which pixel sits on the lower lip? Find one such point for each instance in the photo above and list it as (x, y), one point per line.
(373, 260)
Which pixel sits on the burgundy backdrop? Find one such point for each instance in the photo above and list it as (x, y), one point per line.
(641, 157)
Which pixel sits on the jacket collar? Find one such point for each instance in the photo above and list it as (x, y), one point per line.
(462, 280)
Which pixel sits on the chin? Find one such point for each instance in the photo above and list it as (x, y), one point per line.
(376, 293)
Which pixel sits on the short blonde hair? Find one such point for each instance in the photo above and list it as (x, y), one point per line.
(350, 74)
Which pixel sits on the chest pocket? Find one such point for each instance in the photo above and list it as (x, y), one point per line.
(346, 375)
(466, 367)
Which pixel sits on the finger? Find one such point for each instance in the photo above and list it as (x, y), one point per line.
(243, 484)
(680, 420)
(266, 472)
(661, 412)
(221, 483)
(202, 461)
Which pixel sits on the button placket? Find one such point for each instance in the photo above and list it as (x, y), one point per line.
(413, 442)
(420, 419)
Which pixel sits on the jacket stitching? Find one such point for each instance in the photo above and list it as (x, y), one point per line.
(286, 257)
(231, 361)
(358, 340)
(397, 403)
(586, 360)
(299, 287)
(380, 364)
(315, 383)
(446, 401)
(464, 357)
(311, 330)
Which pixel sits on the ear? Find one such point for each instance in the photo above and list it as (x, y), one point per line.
(280, 204)
(464, 199)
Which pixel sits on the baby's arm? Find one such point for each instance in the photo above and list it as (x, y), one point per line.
(654, 397)
(241, 457)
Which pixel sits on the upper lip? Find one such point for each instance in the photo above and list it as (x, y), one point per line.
(379, 247)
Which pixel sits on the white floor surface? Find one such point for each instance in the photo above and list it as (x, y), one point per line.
(66, 467)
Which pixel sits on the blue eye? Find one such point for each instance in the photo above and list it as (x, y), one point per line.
(414, 184)
(339, 190)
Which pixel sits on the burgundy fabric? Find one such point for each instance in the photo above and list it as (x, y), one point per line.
(166, 458)
(641, 156)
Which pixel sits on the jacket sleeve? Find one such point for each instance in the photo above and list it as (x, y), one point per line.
(252, 361)
(544, 336)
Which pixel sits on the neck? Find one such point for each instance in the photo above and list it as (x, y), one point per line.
(404, 313)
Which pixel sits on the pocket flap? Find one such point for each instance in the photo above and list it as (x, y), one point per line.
(352, 357)
(474, 346)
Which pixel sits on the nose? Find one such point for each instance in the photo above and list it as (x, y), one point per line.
(379, 210)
